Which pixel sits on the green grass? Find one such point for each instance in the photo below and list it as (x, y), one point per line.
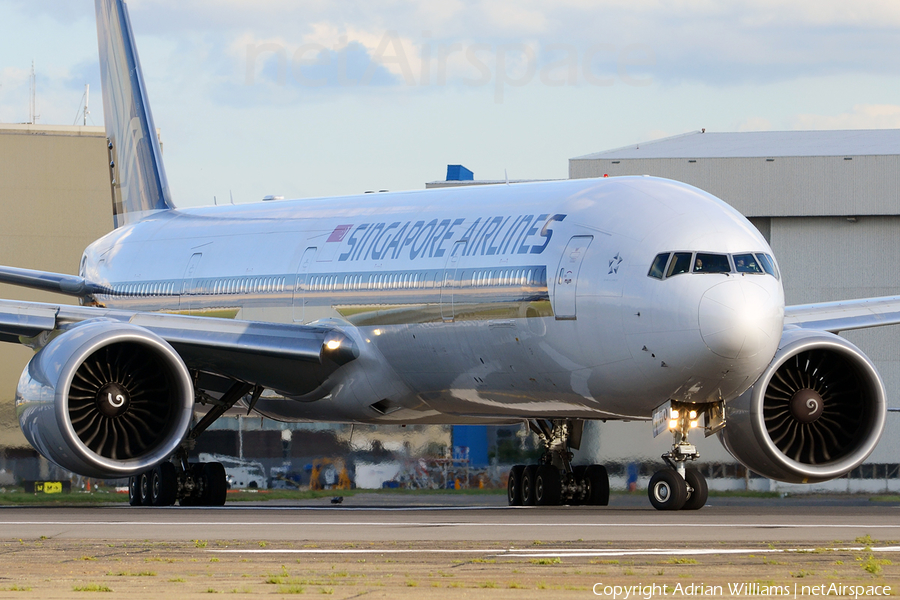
(679, 561)
(91, 587)
(546, 561)
(19, 497)
(886, 498)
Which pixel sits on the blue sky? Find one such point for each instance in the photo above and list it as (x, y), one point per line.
(312, 98)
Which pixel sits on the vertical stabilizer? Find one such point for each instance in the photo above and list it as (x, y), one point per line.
(139, 183)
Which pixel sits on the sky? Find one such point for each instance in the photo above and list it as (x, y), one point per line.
(305, 98)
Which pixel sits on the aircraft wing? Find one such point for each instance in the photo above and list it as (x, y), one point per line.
(284, 357)
(844, 315)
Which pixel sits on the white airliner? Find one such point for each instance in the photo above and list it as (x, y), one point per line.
(620, 298)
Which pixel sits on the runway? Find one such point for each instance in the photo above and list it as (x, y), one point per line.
(629, 521)
(452, 546)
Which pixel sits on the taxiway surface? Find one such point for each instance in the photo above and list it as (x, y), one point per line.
(629, 520)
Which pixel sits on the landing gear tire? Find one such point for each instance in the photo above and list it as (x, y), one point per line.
(134, 490)
(163, 485)
(529, 477)
(547, 486)
(667, 490)
(144, 487)
(596, 481)
(696, 499)
(583, 497)
(514, 485)
(216, 484)
(196, 495)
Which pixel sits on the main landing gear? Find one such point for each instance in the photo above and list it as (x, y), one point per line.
(196, 484)
(190, 484)
(555, 481)
(679, 487)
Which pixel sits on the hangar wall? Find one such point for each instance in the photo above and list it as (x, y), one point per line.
(828, 202)
(54, 190)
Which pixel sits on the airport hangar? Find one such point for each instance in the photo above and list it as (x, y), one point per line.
(827, 201)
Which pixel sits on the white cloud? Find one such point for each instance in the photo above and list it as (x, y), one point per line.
(745, 65)
(863, 116)
(754, 124)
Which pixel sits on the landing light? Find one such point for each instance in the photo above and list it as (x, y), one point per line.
(674, 414)
(333, 344)
(377, 332)
(673, 423)
(694, 423)
(692, 414)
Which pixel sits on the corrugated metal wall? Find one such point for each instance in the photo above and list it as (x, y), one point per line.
(54, 189)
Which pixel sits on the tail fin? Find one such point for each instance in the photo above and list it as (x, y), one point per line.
(139, 182)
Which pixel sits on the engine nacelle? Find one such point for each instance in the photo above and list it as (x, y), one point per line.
(105, 399)
(815, 413)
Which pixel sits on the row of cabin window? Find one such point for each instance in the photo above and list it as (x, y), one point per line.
(411, 281)
(385, 281)
(159, 288)
(244, 285)
(503, 277)
(255, 285)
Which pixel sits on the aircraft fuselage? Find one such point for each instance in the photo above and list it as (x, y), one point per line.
(478, 304)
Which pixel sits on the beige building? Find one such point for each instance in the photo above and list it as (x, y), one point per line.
(55, 194)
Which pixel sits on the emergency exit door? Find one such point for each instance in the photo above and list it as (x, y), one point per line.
(187, 283)
(300, 285)
(567, 276)
(450, 281)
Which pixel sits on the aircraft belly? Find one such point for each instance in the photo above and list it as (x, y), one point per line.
(504, 367)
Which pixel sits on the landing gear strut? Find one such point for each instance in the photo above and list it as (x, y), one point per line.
(555, 481)
(679, 487)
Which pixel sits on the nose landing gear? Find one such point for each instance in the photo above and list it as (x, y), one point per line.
(554, 481)
(679, 487)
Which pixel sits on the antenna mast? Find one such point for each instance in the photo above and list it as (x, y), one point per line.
(84, 112)
(87, 96)
(32, 112)
(31, 96)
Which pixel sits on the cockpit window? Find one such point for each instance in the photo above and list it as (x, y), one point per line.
(659, 265)
(746, 263)
(712, 263)
(681, 263)
(707, 262)
(768, 264)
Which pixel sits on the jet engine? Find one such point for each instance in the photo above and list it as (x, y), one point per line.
(105, 399)
(815, 413)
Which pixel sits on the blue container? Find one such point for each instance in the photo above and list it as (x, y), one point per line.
(473, 437)
(459, 173)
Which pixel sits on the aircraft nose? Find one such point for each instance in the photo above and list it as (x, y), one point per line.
(740, 318)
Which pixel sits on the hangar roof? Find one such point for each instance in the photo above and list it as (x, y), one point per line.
(41, 129)
(747, 144)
